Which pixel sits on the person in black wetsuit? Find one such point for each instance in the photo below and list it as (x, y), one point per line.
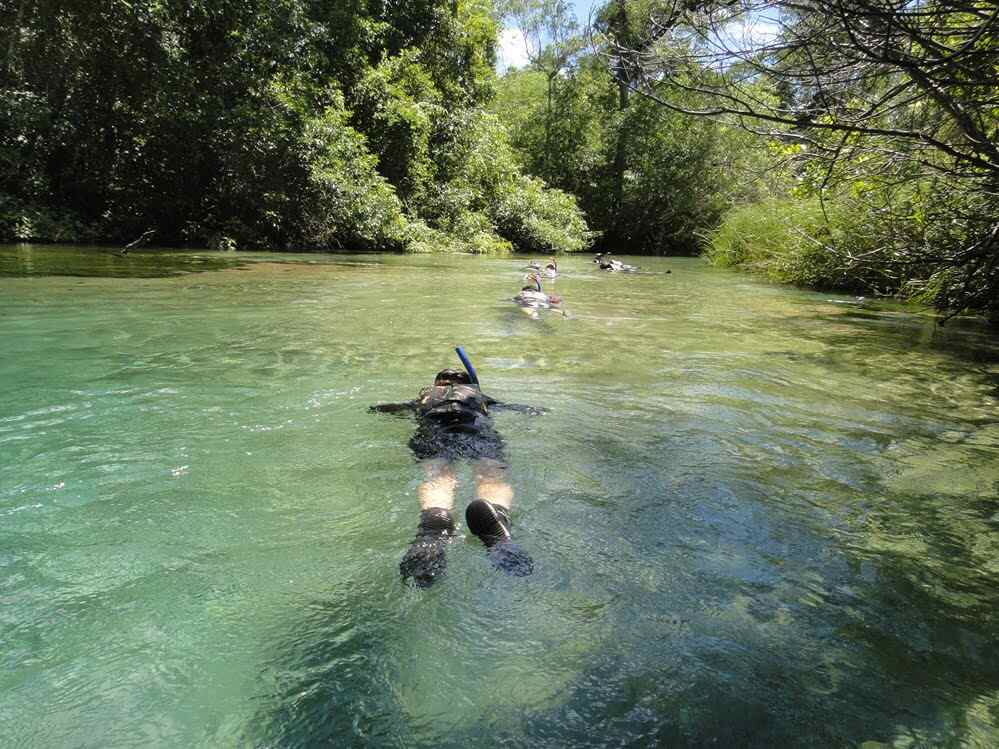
(604, 262)
(453, 422)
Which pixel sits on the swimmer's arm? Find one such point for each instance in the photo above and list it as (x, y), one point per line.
(518, 407)
(393, 408)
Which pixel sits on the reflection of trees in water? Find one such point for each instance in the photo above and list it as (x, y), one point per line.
(60, 260)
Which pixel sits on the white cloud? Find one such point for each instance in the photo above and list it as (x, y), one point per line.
(512, 50)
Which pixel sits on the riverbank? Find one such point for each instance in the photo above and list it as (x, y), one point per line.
(837, 247)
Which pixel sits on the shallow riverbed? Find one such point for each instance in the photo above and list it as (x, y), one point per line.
(760, 516)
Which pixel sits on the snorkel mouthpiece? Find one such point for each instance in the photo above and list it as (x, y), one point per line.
(467, 364)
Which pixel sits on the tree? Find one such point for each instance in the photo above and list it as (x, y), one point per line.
(267, 124)
(549, 31)
(903, 94)
(674, 186)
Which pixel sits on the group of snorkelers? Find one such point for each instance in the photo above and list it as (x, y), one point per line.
(533, 297)
(454, 421)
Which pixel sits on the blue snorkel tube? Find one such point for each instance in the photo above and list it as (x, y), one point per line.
(467, 364)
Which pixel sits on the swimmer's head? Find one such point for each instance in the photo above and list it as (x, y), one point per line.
(452, 377)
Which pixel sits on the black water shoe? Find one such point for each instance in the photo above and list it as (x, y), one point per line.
(426, 560)
(491, 523)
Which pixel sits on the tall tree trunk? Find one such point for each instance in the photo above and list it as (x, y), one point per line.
(548, 127)
(620, 151)
(621, 148)
(15, 35)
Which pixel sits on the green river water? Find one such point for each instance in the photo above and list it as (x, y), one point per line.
(760, 516)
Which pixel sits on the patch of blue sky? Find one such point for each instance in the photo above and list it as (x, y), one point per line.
(512, 50)
(748, 29)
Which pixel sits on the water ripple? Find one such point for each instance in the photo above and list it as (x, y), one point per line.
(759, 516)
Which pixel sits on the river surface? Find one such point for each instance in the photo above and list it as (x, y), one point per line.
(759, 516)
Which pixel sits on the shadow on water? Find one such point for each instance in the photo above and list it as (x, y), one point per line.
(31, 260)
(966, 339)
(868, 635)
(327, 684)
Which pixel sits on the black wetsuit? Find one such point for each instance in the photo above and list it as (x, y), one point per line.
(454, 422)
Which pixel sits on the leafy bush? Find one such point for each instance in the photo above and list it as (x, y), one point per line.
(790, 241)
(347, 203)
(926, 242)
(539, 219)
(24, 223)
(485, 199)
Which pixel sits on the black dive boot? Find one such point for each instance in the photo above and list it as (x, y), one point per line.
(491, 523)
(425, 560)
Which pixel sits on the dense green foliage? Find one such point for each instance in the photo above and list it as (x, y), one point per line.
(356, 124)
(928, 239)
(867, 238)
(855, 145)
(790, 241)
(671, 189)
(649, 180)
(886, 115)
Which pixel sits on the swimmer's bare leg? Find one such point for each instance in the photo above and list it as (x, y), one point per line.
(491, 484)
(488, 517)
(425, 560)
(439, 484)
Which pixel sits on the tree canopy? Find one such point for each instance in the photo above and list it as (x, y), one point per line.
(357, 124)
(888, 112)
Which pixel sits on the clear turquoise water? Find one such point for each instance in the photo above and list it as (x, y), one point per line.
(760, 516)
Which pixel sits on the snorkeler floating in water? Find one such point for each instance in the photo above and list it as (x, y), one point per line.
(534, 297)
(454, 421)
(605, 263)
(550, 270)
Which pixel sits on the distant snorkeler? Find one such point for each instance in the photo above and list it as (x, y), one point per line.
(533, 297)
(454, 421)
(606, 263)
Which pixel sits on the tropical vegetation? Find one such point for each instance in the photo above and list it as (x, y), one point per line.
(248, 123)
